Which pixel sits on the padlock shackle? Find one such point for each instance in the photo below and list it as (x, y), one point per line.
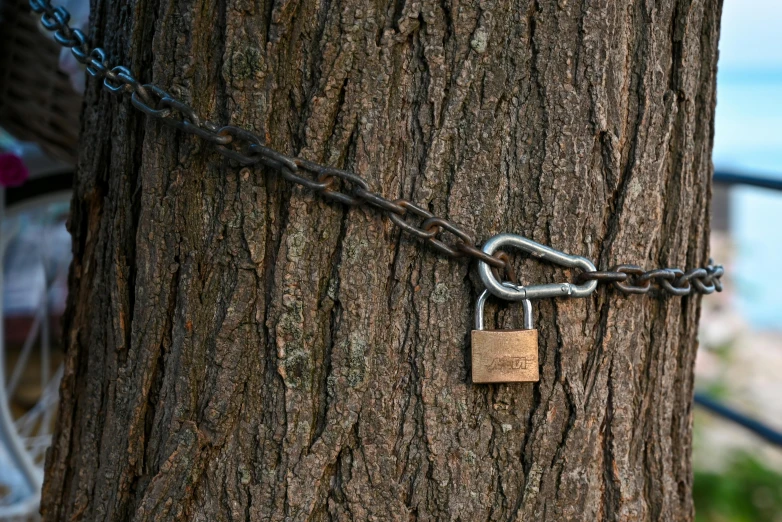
(526, 307)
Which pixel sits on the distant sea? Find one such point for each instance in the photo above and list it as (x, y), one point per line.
(748, 139)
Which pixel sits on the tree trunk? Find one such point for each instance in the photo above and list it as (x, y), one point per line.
(239, 349)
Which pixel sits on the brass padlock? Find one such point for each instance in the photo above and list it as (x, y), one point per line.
(504, 355)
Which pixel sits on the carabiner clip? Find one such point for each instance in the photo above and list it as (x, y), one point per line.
(541, 252)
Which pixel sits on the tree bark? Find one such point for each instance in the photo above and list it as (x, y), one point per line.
(239, 349)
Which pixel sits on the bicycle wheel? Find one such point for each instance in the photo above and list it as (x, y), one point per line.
(35, 255)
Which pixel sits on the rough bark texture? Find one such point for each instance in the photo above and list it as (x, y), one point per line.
(240, 350)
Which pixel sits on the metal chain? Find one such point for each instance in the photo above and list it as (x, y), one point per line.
(247, 148)
(632, 279)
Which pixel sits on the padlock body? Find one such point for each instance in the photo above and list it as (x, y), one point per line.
(504, 356)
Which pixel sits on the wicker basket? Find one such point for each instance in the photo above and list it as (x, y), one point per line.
(37, 102)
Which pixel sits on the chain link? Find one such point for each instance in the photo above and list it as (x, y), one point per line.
(247, 148)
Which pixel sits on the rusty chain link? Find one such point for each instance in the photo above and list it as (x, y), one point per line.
(247, 148)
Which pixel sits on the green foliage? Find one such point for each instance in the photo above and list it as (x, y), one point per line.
(746, 491)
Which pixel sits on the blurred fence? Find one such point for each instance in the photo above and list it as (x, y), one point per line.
(767, 433)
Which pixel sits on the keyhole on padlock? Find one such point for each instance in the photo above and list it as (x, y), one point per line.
(504, 355)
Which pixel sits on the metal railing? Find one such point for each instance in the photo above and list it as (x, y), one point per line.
(762, 430)
(729, 178)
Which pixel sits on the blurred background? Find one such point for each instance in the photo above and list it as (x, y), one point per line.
(738, 475)
(737, 446)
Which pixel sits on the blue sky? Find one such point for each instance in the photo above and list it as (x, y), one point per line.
(751, 36)
(749, 103)
(748, 138)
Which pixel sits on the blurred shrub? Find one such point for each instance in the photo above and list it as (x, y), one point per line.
(745, 491)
